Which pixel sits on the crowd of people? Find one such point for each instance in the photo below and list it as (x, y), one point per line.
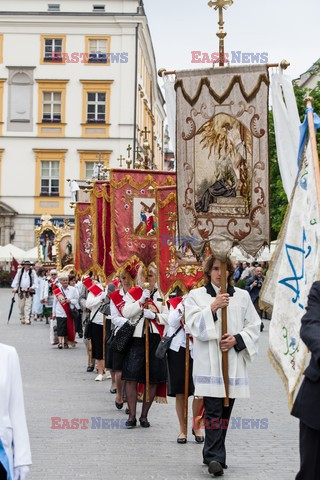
(125, 323)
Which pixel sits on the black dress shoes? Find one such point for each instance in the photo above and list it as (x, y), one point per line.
(127, 411)
(113, 390)
(90, 368)
(182, 440)
(198, 438)
(215, 468)
(119, 405)
(131, 423)
(144, 422)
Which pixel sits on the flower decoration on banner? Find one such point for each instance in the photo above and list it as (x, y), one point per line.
(84, 240)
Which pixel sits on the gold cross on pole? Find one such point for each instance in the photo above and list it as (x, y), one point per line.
(121, 159)
(221, 5)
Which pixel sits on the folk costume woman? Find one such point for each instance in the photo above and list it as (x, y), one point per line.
(203, 318)
(117, 320)
(176, 358)
(95, 299)
(15, 454)
(140, 304)
(65, 298)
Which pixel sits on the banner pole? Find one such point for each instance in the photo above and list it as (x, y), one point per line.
(314, 146)
(225, 358)
(186, 384)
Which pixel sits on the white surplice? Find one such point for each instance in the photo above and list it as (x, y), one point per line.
(207, 364)
(13, 426)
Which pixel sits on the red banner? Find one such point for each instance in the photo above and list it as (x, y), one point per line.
(83, 236)
(134, 223)
(177, 264)
(100, 201)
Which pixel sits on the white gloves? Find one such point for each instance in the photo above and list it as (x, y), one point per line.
(21, 473)
(145, 294)
(176, 315)
(149, 314)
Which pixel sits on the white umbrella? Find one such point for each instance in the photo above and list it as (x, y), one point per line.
(9, 252)
(31, 254)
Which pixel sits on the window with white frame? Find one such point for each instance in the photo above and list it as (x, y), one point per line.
(97, 50)
(53, 50)
(96, 107)
(51, 107)
(50, 177)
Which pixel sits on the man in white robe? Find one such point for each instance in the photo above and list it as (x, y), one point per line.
(203, 317)
(15, 455)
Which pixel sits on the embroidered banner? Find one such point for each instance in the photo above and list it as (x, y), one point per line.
(83, 236)
(222, 157)
(294, 267)
(100, 201)
(134, 223)
(177, 264)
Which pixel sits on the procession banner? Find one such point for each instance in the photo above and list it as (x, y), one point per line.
(177, 264)
(83, 236)
(222, 158)
(134, 223)
(294, 267)
(101, 214)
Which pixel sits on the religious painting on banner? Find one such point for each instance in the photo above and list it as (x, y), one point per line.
(101, 213)
(223, 158)
(177, 265)
(83, 236)
(134, 223)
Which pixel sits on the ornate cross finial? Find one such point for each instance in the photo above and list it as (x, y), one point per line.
(221, 5)
(145, 132)
(121, 159)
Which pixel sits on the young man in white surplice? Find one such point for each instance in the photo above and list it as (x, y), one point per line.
(203, 318)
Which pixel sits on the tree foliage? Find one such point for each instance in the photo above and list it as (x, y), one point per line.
(278, 198)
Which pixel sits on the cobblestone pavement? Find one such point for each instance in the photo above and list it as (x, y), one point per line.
(56, 384)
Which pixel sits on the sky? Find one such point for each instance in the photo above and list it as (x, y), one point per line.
(285, 29)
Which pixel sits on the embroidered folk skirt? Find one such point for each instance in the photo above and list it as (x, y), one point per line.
(176, 372)
(134, 364)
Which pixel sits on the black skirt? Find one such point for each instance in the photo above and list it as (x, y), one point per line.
(134, 364)
(176, 372)
(97, 341)
(62, 330)
(114, 360)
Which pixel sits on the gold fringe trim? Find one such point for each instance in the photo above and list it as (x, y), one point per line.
(205, 81)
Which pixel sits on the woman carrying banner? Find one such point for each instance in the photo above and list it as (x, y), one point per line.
(15, 454)
(65, 298)
(140, 304)
(94, 301)
(176, 357)
(116, 304)
(203, 317)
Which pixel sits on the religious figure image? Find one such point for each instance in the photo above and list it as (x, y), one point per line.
(66, 251)
(228, 146)
(145, 224)
(47, 243)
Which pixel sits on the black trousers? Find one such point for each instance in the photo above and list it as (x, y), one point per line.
(309, 453)
(216, 421)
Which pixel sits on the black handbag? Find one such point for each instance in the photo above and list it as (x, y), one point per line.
(123, 337)
(164, 345)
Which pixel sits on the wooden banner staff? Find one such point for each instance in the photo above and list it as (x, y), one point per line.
(314, 146)
(186, 383)
(283, 64)
(147, 351)
(225, 359)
